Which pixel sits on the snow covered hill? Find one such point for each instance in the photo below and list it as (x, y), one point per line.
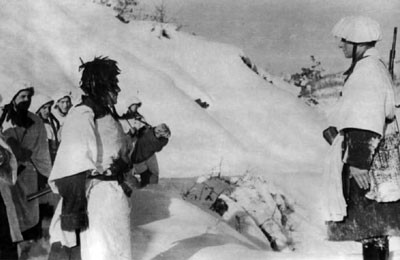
(250, 126)
(238, 130)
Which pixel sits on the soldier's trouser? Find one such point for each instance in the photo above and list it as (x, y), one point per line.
(148, 171)
(74, 205)
(148, 177)
(59, 252)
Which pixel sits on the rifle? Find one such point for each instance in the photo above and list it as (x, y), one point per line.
(38, 194)
(41, 192)
(140, 118)
(392, 53)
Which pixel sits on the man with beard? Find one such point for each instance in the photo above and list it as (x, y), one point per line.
(88, 173)
(25, 133)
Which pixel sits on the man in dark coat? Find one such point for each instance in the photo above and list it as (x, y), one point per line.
(149, 141)
(25, 133)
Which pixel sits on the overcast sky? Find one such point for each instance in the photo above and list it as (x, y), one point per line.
(280, 35)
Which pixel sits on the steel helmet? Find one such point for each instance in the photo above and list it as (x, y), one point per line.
(38, 101)
(134, 101)
(60, 94)
(125, 101)
(9, 93)
(358, 29)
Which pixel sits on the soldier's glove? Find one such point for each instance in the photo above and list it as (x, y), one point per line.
(118, 168)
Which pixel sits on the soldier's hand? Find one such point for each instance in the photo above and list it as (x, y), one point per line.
(360, 176)
(118, 166)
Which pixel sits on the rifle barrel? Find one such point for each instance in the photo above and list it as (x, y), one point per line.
(393, 53)
(38, 194)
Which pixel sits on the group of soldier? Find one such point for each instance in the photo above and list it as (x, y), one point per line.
(85, 153)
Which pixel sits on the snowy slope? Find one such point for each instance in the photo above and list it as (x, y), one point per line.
(238, 131)
(251, 125)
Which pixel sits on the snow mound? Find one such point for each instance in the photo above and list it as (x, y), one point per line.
(167, 227)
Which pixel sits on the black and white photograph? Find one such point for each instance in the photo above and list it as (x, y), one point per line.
(199, 130)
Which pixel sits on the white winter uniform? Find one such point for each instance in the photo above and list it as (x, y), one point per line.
(89, 144)
(367, 97)
(61, 118)
(367, 100)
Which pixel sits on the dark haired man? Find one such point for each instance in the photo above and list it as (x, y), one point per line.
(88, 172)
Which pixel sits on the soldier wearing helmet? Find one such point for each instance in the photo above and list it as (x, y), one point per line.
(89, 170)
(41, 105)
(130, 118)
(367, 103)
(146, 140)
(62, 105)
(25, 133)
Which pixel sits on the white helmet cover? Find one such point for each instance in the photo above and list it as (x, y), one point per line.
(125, 101)
(60, 94)
(10, 92)
(358, 29)
(38, 101)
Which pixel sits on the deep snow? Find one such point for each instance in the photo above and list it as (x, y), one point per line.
(251, 126)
